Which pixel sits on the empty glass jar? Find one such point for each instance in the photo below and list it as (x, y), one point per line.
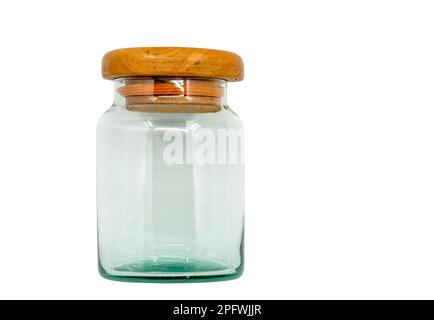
(170, 167)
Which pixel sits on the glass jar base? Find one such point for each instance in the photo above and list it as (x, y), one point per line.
(171, 270)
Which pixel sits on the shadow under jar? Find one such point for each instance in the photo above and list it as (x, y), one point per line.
(170, 167)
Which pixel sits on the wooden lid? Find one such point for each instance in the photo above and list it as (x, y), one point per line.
(172, 62)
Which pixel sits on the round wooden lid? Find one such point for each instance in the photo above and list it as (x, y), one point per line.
(172, 62)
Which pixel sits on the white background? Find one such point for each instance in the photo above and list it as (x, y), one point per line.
(338, 108)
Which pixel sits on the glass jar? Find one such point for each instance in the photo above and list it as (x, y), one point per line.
(170, 167)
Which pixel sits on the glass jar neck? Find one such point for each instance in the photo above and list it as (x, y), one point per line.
(165, 94)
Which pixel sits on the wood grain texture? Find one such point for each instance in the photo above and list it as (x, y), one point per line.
(172, 62)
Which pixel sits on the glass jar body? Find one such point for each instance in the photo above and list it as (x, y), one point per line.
(170, 195)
